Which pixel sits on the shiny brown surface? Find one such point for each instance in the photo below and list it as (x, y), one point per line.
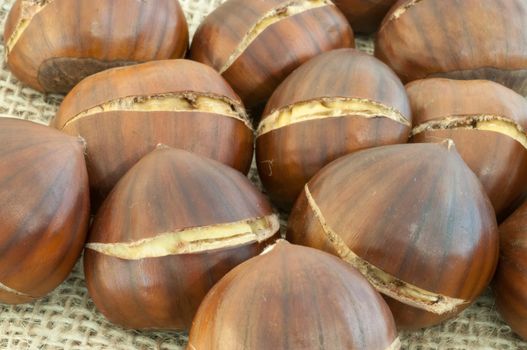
(415, 211)
(292, 297)
(275, 52)
(44, 211)
(470, 39)
(116, 140)
(499, 161)
(288, 157)
(168, 190)
(511, 276)
(364, 16)
(69, 40)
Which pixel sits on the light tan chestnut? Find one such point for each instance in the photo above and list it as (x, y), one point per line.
(293, 297)
(171, 228)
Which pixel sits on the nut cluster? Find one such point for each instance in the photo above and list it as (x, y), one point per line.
(395, 192)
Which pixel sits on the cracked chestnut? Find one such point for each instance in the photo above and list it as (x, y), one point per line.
(171, 228)
(51, 45)
(365, 16)
(255, 44)
(44, 209)
(293, 297)
(123, 113)
(414, 219)
(486, 121)
(511, 276)
(469, 39)
(312, 120)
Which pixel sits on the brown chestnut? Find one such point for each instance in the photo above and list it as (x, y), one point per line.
(312, 119)
(414, 219)
(44, 208)
(53, 44)
(293, 297)
(365, 16)
(171, 228)
(255, 44)
(123, 113)
(469, 39)
(486, 121)
(511, 276)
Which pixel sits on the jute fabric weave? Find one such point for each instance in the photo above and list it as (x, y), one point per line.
(67, 318)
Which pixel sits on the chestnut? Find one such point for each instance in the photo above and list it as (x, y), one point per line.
(255, 44)
(44, 211)
(51, 45)
(365, 16)
(511, 276)
(170, 229)
(414, 219)
(486, 121)
(123, 113)
(312, 119)
(469, 39)
(293, 297)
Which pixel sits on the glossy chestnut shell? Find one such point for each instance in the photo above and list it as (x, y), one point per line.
(412, 218)
(511, 276)
(51, 45)
(44, 209)
(313, 118)
(469, 39)
(123, 113)
(486, 121)
(293, 297)
(256, 44)
(171, 228)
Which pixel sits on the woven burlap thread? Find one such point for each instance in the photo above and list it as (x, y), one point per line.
(68, 319)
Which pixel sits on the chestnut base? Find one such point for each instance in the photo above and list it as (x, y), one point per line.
(61, 74)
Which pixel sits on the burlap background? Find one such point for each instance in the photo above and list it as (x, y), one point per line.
(67, 318)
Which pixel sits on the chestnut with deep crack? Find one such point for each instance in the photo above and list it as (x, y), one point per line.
(412, 218)
(487, 122)
(256, 44)
(123, 113)
(171, 228)
(312, 119)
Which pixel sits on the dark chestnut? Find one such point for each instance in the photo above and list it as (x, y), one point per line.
(51, 45)
(255, 44)
(293, 297)
(486, 121)
(511, 275)
(123, 113)
(365, 16)
(469, 39)
(414, 219)
(339, 102)
(44, 209)
(171, 228)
